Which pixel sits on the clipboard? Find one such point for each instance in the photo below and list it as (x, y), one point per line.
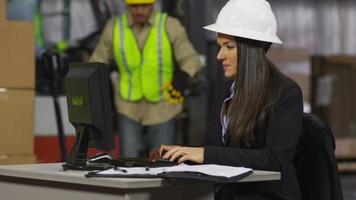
(204, 177)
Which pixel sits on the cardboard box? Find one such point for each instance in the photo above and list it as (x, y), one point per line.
(3, 10)
(345, 148)
(16, 122)
(294, 63)
(17, 159)
(282, 55)
(17, 55)
(334, 92)
(346, 153)
(303, 81)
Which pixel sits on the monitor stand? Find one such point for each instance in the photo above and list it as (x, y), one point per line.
(77, 159)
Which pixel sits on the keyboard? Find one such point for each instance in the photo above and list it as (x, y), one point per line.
(142, 162)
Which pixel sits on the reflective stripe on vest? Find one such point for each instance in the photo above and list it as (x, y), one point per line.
(143, 74)
(38, 26)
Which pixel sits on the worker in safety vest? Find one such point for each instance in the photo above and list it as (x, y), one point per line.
(145, 45)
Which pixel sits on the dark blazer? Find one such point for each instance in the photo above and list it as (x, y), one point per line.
(315, 161)
(274, 147)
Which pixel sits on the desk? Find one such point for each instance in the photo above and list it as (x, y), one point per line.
(49, 181)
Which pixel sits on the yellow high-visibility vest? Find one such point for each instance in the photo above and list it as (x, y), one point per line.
(143, 74)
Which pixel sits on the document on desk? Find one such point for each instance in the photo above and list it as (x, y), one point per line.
(209, 172)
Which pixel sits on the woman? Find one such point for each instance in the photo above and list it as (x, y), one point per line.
(260, 119)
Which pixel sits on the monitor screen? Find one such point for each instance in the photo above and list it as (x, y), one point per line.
(89, 109)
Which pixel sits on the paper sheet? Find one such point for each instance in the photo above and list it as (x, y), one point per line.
(208, 169)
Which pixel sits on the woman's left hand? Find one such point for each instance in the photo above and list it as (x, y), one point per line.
(182, 154)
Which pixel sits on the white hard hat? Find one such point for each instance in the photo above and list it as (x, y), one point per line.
(252, 19)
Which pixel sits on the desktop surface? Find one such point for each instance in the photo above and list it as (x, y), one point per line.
(54, 172)
(49, 181)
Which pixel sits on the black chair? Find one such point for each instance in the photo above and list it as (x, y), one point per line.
(315, 161)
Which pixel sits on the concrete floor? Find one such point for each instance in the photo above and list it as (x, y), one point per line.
(348, 183)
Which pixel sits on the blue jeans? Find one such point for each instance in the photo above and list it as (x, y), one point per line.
(135, 138)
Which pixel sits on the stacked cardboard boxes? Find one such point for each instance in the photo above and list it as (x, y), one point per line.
(2, 8)
(17, 77)
(334, 93)
(333, 99)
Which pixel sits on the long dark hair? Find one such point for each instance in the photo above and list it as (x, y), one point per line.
(249, 106)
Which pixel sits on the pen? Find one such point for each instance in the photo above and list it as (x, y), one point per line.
(119, 169)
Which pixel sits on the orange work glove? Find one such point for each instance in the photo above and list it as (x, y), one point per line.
(172, 95)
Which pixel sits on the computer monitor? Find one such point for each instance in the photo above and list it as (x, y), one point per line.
(89, 110)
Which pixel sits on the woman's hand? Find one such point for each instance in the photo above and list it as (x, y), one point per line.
(178, 153)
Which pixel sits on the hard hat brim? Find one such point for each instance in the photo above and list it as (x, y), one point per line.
(140, 3)
(243, 33)
(135, 2)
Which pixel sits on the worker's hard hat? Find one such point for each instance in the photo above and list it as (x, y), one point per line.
(252, 19)
(130, 2)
